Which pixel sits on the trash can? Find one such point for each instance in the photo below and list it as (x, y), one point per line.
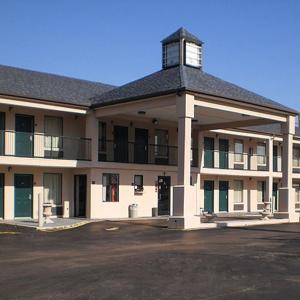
(154, 211)
(133, 211)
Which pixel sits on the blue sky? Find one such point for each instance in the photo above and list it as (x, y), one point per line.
(254, 43)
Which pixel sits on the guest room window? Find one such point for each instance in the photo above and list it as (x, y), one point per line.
(161, 143)
(110, 188)
(261, 154)
(53, 188)
(238, 191)
(238, 151)
(261, 191)
(296, 157)
(53, 143)
(102, 136)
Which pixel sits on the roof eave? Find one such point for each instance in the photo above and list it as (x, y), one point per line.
(53, 102)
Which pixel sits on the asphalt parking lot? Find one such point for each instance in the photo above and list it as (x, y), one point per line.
(144, 260)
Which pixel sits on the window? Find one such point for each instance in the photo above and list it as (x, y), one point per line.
(296, 157)
(192, 54)
(238, 151)
(297, 197)
(53, 142)
(102, 143)
(238, 191)
(110, 188)
(53, 188)
(261, 154)
(161, 143)
(171, 54)
(138, 183)
(261, 191)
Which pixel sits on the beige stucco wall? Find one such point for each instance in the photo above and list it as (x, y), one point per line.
(146, 200)
(67, 191)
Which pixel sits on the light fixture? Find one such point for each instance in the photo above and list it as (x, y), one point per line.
(154, 121)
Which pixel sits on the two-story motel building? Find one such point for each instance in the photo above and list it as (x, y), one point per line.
(178, 140)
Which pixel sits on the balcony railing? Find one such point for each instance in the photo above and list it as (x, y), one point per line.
(139, 153)
(237, 161)
(37, 145)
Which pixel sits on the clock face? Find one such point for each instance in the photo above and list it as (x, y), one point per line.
(192, 55)
(171, 55)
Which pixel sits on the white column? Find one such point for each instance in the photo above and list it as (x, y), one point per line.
(287, 193)
(270, 165)
(184, 195)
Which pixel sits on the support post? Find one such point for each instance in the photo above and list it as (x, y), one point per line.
(184, 195)
(287, 193)
(270, 166)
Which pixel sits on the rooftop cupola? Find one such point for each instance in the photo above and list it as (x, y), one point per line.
(181, 48)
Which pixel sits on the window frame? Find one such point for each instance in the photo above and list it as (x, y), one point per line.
(110, 175)
(238, 154)
(296, 158)
(258, 156)
(241, 190)
(262, 190)
(61, 188)
(138, 188)
(161, 150)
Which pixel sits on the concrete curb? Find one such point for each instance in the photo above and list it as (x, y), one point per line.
(63, 227)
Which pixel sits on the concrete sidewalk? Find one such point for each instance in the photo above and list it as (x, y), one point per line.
(58, 223)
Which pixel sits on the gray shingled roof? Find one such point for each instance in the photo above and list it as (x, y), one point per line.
(181, 33)
(44, 86)
(183, 78)
(270, 128)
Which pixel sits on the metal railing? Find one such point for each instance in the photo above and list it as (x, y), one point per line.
(138, 153)
(236, 161)
(38, 145)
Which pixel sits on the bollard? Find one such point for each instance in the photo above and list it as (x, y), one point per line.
(41, 211)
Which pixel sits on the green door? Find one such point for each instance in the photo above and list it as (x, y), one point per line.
(223, 196)
(275, 194)
(1, 195)
(23, 195)
(208, 196)
(209, 145)
(24, 136)
(223, 148)
(2, 132)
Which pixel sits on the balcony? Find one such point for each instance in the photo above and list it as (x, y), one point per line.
(216, 159)
(137, 153)
(36, 145)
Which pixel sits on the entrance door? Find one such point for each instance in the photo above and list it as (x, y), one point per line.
(80, 195)
(223, 196)
(275, 194)
(2, 132)
(121, 144)
(164, 185)
(2, 196)
(24, 135)
(141, 146)
(208, 196)
(209, 145)
(223, 150)
(275, 158)
(23, 195)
